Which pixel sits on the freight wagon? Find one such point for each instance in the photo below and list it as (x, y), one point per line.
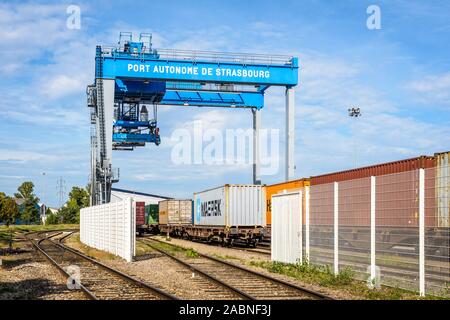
(397, 196)
(227, 214)
(152, 218)
(140, 217)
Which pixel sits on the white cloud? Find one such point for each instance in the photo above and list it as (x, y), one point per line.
(59, 63)
(23, 156)
(432, 89)
(63, 85)
(11, 177)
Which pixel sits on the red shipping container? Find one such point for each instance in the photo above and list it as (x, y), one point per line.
(397, 190)
(376, 170)
(140, 213)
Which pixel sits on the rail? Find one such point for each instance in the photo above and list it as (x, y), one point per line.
(279, 282)
(137, 283)
(86, 291)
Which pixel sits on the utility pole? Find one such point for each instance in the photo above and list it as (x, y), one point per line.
(61, 190)
(44, 203)
(354, 113)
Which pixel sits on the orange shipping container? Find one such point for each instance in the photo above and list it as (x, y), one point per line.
(280, 187)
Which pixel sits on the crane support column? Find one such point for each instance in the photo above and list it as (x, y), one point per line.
(104, 127)
(290, 133)
(256, 146)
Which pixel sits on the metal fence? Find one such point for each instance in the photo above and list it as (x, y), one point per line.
(393, 227)
(110, 227)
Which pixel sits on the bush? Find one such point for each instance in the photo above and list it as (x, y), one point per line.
(52, 219)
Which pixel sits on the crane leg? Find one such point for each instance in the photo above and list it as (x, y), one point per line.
(256, 146)
(104, 126)
(290, 133)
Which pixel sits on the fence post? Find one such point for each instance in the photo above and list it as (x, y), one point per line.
(307, 223)
(336, 228)
(129, 230)
(372, 227)
(422, 232)
(301, 227)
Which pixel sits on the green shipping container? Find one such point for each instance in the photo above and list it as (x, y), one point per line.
(152, 214)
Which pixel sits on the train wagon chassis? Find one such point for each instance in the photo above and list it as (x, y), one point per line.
(228, 236)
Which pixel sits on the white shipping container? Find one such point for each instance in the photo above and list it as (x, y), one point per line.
(231, 206)
(286, 237)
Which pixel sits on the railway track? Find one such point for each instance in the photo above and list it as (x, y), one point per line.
(98, 281)
(244, 282)
(261, 250)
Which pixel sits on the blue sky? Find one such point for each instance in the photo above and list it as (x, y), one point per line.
(399, 76)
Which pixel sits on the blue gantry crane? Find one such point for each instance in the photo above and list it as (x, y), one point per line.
(132, 79)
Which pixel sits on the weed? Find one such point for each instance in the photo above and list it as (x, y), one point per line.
(191, 253)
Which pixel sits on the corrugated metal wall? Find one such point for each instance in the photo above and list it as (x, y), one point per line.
(394, 223)
(354, 226)
(443, 188)
(175, 212)
(422, 162)
(231, 205)
(246, 205)
(110, 227)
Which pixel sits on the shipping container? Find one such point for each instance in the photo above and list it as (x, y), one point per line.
(231, 206)
(140, 213)
(286, 229)
(442, 185)
(175, 212)
(422, 162)
(151, 214)
(280, 187)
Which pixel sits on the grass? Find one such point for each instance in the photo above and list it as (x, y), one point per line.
(16, 232)
(142, 247)
(317, 274)
(344, 281)
(74, 242)
(31, 228)
(176, 250)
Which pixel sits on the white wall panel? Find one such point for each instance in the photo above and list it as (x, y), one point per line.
(110, 227)
(287, 227)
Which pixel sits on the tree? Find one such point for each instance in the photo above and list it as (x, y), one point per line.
(30, 212)
(68, 213)
(52, 218)
(26, 191)
(78, 199)
(9, 212)
(2, 196)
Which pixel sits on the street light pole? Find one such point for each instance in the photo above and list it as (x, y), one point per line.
(43, 198)
(354, 113)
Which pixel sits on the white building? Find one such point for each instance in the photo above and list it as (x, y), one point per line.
(120, 194)
(43, 212)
